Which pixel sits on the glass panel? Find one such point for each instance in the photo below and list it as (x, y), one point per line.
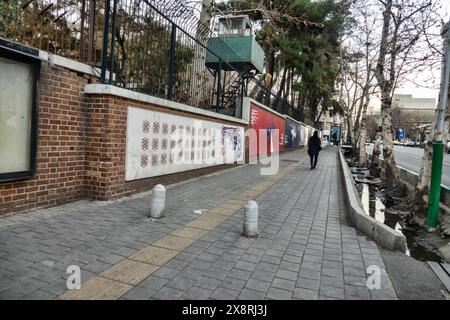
(16, 90)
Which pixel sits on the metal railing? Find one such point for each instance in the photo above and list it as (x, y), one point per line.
(157, 47)
(63, 27)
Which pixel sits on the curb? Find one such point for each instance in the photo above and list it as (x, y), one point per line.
(375, 230)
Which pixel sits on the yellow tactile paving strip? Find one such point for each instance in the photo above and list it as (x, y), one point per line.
(121, 277)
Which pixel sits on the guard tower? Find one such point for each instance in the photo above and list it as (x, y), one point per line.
(233, 57)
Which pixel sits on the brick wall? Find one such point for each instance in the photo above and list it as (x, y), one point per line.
(81, 146)
(105, 148)
(61, 149)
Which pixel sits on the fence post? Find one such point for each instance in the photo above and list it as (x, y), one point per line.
(113, 40)
(83, 14)
(91, 32)
(105, 42)
(173, 43)
(218, 97)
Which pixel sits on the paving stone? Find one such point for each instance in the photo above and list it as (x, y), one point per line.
(224, 294)
(312, 284)
(247, 294)
(208, 283)
(332, 292)
(153, 282)
(139, 293)
(181, 283)
(129, 271)
(283, 284)
(286, 274)
(263, 275)
(196, 293)
(356, 293)
(257, 284)
(247, 266)
(111, 258)
(239, 274)
(167, 293)
(97, 289)
(234, 284)
(165, 272)
(332, 282)
(278, 294)
(305, 294)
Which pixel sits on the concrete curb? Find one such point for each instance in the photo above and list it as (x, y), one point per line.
(382, 234)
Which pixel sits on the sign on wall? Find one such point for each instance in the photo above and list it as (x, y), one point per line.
(293, 136)
(18, 114)
(265, 123)
(159, 143)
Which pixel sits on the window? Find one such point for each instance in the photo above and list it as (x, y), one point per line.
(18, 119)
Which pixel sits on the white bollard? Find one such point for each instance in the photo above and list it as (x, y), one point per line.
(251, 219)
(158, 201)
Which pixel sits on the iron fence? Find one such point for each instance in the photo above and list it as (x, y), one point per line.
(63, 27)
(157, 47)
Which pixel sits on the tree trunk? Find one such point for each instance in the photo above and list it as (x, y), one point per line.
(419, 203)
(282, 83)
(362, 159)
(350, 135)
(392, 177)
(386, 86)
(375, 163)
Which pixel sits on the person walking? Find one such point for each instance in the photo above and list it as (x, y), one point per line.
(314, 146)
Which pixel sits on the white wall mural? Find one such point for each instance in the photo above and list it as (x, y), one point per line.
(160, 143)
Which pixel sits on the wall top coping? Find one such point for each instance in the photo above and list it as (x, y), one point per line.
(259, 104)
(129, 94)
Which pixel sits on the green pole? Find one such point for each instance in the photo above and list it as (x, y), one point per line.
(435, 185)
(438, 147)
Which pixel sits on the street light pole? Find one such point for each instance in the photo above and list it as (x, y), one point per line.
(438, 147)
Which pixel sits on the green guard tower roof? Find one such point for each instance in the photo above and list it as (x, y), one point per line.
(236, 46)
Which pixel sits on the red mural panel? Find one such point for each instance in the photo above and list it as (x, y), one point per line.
(264, 122)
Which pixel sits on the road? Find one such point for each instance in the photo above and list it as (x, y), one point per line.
(411, 159)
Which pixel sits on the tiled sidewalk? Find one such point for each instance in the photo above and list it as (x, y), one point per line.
(305, 249)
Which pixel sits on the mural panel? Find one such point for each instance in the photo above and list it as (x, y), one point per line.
(159, 143)
(265, 122)
(293, 135)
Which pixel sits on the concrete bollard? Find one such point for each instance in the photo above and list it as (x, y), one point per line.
(251, 219)
(158, 201)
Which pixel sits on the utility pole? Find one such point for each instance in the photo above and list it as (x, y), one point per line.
(438, 146)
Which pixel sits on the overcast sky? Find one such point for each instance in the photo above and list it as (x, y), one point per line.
(424, 91)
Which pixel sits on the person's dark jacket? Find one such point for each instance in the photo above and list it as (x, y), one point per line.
(314, 145)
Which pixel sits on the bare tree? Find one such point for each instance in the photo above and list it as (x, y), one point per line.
(404, 36)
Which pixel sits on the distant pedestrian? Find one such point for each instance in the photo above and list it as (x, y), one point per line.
(314, 146)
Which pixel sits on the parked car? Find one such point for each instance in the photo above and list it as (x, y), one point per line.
(409, 143)
(448, 146)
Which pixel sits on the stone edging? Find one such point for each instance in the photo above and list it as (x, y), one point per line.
(375, 230)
